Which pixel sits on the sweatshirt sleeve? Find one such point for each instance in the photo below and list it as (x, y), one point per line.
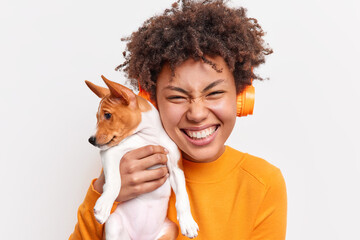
(87, 228)
(270, 223)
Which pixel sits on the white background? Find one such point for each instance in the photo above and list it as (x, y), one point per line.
(305, 119)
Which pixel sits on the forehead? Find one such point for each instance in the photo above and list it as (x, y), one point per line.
(196, 75)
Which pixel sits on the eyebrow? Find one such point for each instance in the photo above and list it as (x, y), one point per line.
(208, 87)
(213, 84)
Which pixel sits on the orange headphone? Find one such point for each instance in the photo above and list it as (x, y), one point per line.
(245, 101)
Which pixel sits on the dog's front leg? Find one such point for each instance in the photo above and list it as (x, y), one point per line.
(111, 187)
(187, 223)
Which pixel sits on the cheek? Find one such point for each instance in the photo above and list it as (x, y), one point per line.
(224, 109)
(170, 115)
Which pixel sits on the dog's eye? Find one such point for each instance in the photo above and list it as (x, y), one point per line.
(107, 115)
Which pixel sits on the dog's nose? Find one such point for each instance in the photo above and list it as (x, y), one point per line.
(92, 140)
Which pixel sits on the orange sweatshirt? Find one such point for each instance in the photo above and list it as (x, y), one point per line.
(238, 196)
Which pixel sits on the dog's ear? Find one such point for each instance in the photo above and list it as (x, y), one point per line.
(117, 90)
(99, 91)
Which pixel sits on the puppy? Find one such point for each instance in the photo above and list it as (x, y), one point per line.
(125, 122)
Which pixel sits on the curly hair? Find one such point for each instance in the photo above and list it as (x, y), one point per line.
(194, 29)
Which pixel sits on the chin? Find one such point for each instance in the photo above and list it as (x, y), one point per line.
(203, 154)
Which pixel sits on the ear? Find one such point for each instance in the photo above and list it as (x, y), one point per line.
(99, 91)
(117, 90)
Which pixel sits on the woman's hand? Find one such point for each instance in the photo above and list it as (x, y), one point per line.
(136, 178)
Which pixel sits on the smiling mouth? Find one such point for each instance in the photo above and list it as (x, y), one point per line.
(200, 134)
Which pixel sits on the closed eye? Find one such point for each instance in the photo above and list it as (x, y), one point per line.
(177, 98)
(215, 94)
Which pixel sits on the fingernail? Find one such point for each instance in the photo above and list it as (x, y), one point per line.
(166, 151)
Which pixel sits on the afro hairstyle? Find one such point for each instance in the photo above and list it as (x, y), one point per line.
(195, 29)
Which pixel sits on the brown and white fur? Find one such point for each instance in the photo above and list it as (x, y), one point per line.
(125, 122)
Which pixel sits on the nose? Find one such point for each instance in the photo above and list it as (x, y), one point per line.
(92, 140)
(197, 111)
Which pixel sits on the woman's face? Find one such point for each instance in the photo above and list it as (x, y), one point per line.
(197, 107)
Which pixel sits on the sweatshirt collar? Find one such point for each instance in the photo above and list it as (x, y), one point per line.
(214, 171)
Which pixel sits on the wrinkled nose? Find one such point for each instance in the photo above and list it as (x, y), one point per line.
(197, 111)
(92, 140)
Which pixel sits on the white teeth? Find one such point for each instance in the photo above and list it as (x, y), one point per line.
(201, 134)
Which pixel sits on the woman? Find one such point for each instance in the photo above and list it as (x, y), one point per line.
(193, 61)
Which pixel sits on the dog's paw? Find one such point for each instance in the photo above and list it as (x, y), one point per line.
(188, 226)
(102, 209)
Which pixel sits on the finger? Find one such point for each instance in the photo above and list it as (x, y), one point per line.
(130, 167)
(147, 176)
(152, 160)
(149, 186)
(145, 151)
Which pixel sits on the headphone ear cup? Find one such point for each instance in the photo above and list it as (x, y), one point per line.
(245, 102)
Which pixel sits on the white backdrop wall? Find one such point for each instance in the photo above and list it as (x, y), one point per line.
(305, 120)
